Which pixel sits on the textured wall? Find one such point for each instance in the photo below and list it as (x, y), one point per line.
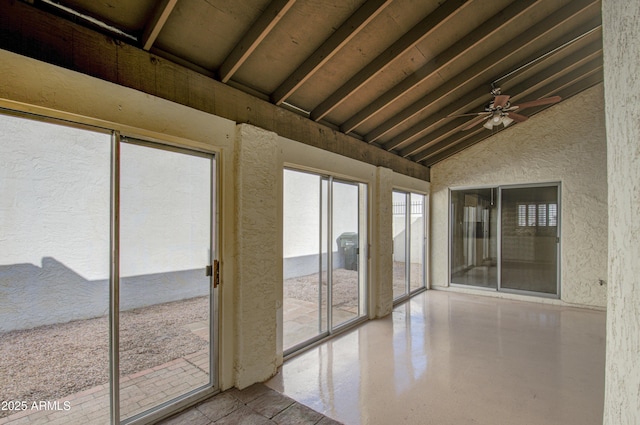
(622, 89)
(258, 264)
(382, 264)
(571, 150)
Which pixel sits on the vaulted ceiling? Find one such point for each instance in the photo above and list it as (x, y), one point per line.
(395, 74)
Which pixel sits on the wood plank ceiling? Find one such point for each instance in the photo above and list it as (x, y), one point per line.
(388, 72)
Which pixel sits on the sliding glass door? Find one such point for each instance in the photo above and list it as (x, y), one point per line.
(474, 218)
(324, 260)
(105, 274)
(506, 238)
(529, 239)
(166, 235)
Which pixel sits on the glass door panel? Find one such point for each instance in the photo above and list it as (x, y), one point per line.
(54, 271)
(529, 241)
(326, 259)
(304, 257)
(166, 236)
(474, 237)
(399, 229)
(417, 239)
(345, 279)
(323, 229)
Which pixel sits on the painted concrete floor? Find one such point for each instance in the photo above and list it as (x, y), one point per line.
(450, 358)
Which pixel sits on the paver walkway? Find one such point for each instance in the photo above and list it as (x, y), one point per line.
(138, 393)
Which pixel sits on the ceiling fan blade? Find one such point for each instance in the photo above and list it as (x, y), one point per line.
(517, 117)
(473, 123)
(539, 102)
(473, 114)
(500, 100)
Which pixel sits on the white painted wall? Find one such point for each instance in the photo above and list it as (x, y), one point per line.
(54, 196)
(301, 210)
(622, 96)
(55, 201)
(55, 208)
(165, 210)
(302, 213)
(564, 143)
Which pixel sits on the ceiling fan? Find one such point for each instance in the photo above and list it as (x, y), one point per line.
(501, 112)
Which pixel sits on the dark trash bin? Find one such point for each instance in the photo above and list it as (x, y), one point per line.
(348, 250)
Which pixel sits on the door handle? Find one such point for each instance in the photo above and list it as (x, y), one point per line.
(214, 271)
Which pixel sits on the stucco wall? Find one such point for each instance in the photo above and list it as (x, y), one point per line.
(622, 96)
(259, 271)
(382, 282)
(565, 143)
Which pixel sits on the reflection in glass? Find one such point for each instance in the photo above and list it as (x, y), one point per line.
(474, 219)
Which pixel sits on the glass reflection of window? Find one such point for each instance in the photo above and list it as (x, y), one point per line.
(522, 215)
(542, 215)
(553, 214)
(537, 215)
(531, 219)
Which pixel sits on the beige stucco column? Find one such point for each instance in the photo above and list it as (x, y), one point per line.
(621, 34)
(258, 238)
(381, 259)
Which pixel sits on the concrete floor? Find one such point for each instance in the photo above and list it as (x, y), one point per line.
(256, 405)
(450, 358)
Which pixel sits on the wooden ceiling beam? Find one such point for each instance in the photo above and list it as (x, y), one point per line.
(424, 124)
(494, 63)
(435, 65)
(465, 104)
(439, 17)
(154, 26)
(349, 29)
(53, 39)
(252, 38)
(565, 87)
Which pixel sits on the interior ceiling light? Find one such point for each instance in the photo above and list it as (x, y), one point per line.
(498, 119)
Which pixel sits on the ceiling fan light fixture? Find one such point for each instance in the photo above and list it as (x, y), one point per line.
(506, 120)
(488, 124)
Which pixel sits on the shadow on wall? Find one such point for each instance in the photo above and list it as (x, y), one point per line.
(32, 296)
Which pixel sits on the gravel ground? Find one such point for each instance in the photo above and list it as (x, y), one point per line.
(345, 285)
(305, 288)
(50, 362)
